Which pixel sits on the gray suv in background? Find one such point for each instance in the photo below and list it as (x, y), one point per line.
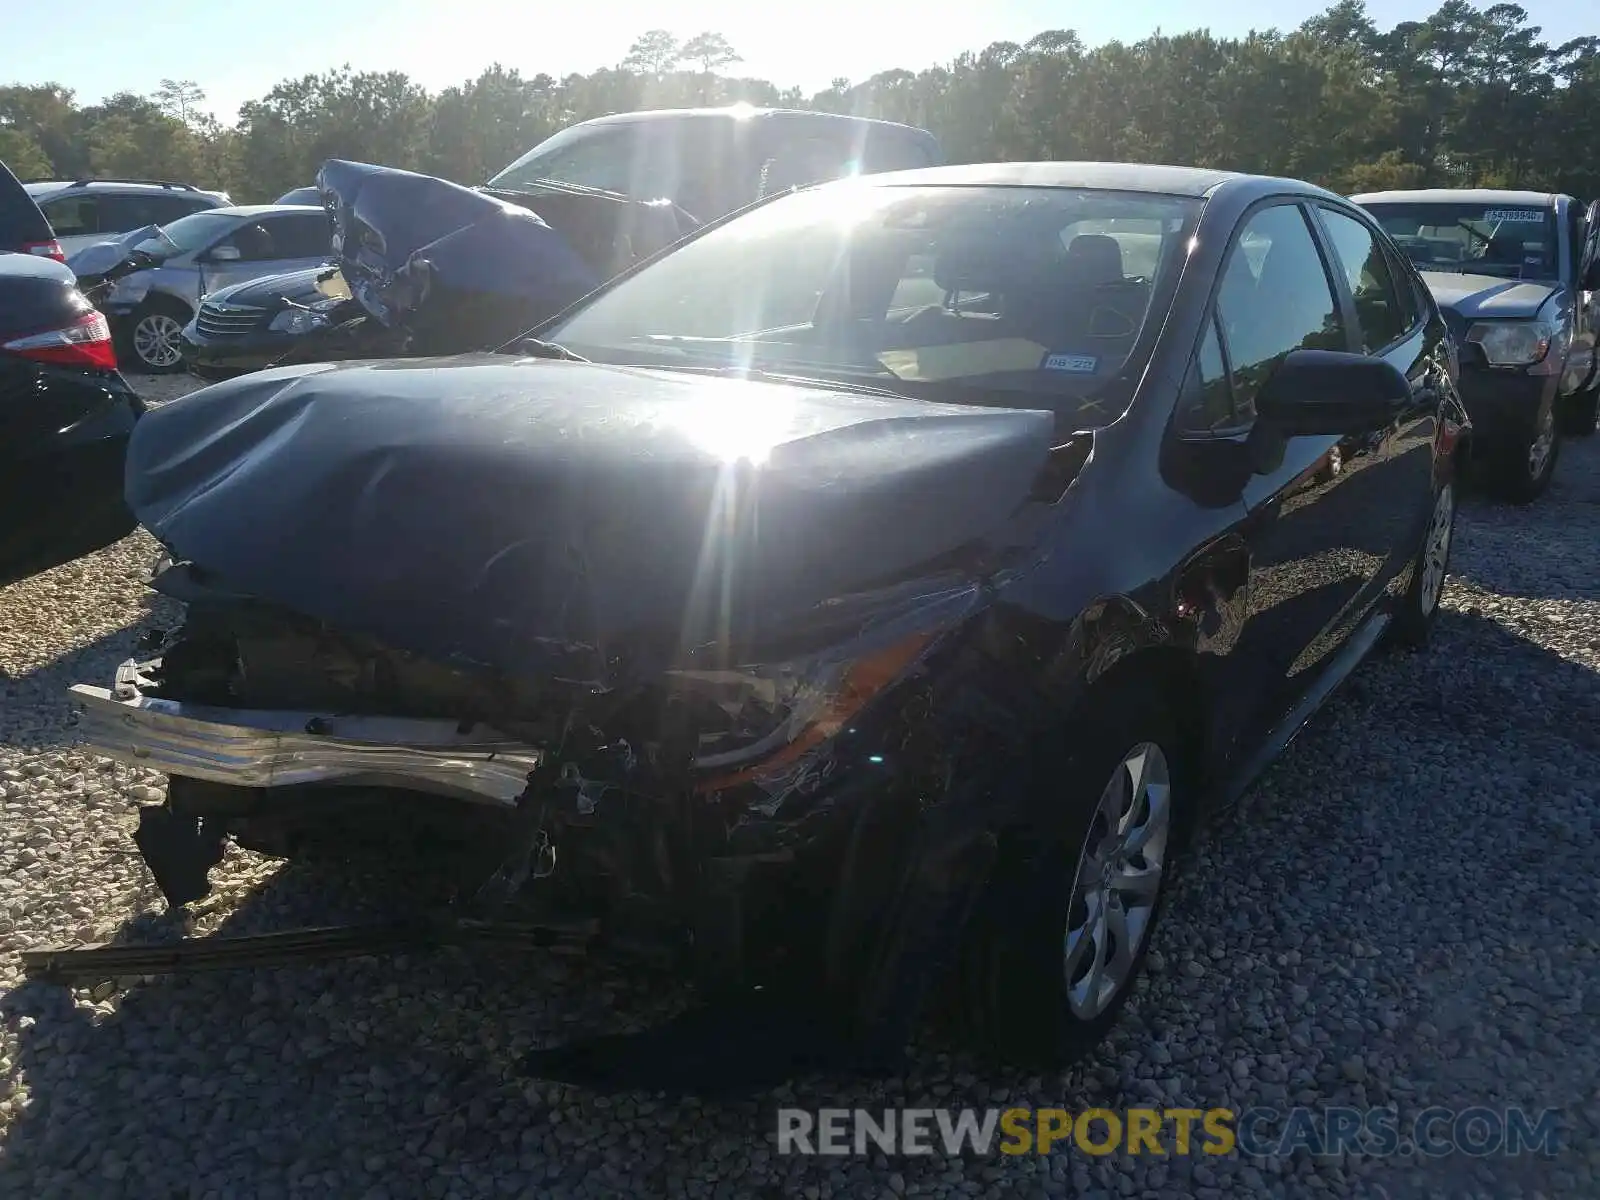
(85, 212)
(195, 256)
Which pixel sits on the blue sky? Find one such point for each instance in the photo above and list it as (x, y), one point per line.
(135, 43)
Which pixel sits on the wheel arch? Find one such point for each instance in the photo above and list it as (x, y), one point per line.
(165, 302)
(946, 866)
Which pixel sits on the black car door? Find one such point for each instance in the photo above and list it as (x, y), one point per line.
(1391, 317)
(1320, 538)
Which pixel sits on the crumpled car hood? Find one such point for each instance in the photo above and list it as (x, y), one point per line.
(1487, 297)
(400, 235)
(512, 512)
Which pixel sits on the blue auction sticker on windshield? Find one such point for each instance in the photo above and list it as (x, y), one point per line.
(1072, 364)
(1496, 216)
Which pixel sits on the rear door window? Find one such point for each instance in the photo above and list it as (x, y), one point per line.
(120, 213)
(73, 216)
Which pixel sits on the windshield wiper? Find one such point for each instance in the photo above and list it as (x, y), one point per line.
(534, 348)
(854, 387)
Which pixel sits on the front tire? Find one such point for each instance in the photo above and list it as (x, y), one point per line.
(1061, 936)
(1525, 464)
(1419, 608)
(151, 342)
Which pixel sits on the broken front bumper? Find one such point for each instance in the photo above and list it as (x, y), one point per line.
(268, 749)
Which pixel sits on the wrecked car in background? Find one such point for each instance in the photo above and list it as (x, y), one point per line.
(882, 582)
(595, 183)
(424, 266)
(713, 161)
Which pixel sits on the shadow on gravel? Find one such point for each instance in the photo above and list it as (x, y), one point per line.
(235, 1069)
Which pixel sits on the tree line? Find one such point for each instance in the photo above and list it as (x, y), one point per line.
(1469, 97)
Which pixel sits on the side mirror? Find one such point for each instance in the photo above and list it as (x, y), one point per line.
(1331, 392)
(223, 254)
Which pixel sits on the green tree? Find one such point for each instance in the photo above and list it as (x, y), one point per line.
(20, 152)
(712, 52)
(654, 54)
(179, 98)
(1468, 95)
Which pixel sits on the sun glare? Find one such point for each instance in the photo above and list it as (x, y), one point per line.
(743, 426)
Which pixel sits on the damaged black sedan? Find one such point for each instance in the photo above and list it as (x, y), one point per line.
(871, 593)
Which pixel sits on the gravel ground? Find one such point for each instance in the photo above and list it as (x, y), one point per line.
(1402, 913)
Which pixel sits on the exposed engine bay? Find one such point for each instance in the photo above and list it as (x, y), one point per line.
(553, 806)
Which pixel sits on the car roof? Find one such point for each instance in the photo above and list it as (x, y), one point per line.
(43, 187)
(747, 112)
(1457, 196)
(1107, 176)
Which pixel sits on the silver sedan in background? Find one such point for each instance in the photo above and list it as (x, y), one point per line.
(198, 254)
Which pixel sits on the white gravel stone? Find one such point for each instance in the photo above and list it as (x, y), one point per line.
(1402, 912)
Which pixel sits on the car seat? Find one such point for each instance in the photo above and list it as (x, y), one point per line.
(1080, 301)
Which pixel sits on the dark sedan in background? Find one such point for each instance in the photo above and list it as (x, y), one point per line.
(1515, 274)
(882, 581)
(251, 325)
(65, 416)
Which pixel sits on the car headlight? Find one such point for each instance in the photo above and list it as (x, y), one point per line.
(299, 320)
(765, 716)
(1513, 343)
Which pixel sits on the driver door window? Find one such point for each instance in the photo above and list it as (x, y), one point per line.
(253, 242)
(1274, 298)
(1379, 314)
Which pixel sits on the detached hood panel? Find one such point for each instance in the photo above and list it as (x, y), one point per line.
(409, 242)
(1487, 297)
(517, 512)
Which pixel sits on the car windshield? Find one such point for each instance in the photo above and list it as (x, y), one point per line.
(187, 234)
(984, 294)
(1515, 240)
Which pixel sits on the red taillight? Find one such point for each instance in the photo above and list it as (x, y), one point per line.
(84, 343)
(50, 249)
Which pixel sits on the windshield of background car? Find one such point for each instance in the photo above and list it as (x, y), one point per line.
(984, 294)
(649, 160)
(1516, 240)
(188, 234)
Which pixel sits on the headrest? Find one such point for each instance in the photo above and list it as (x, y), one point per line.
(1096, 255)
(987, 262)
